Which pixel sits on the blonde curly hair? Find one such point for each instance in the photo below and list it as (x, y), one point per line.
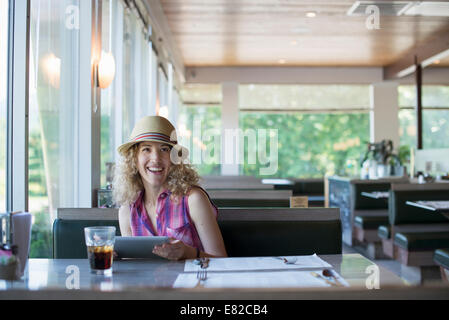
(128, 183)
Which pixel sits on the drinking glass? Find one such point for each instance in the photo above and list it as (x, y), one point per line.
(100, 248)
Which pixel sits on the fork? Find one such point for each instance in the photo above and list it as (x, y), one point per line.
(201, 274)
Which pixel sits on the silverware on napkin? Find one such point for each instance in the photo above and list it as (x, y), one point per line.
(319, 276)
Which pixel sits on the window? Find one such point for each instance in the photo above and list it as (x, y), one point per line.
(53, 99)
(137, 80)
(199, 126)
(435, 101)
(3, 97)
(162, 91)
(311, 145)
(321, 128)
(153, 81)
(132, 93)
(303, 97)
(111, 97)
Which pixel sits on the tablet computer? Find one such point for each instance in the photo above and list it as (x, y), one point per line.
(137, 247)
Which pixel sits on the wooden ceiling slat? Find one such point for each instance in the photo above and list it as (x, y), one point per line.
(250, 32)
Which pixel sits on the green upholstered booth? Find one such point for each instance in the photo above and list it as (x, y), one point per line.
(384, 231)
(441, 257)
(68, 236)
(246, 231)
(361, 202)
(418, 241)
(401, 213)
(346, 194)
(370, 222)
(303, 186)
(275, 238)
(413, 233)
(251, 203)
(403, 217)
(250, 198)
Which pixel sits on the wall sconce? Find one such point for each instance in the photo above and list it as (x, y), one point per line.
(52, 69)
(105, 70)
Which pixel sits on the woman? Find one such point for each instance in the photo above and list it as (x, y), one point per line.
(159, 195)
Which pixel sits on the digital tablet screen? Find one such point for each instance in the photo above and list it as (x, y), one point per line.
(137, 247)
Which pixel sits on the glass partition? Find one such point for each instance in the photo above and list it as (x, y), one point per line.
(435, 101)
(3, 98)
(53, 99)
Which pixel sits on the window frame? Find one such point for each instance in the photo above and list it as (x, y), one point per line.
(17, 106)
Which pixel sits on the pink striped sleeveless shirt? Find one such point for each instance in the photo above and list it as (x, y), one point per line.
(172, 219)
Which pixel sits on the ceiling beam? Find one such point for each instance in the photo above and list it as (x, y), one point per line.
(426, 54)
(285, 75)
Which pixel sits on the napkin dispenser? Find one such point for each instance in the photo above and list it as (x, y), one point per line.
(16, 234)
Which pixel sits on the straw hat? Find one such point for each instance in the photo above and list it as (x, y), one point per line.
(153, 128)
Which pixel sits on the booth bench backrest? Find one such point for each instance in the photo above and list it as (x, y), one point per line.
(250, 198)
(401, 213)
(361, 202)
(246, 231)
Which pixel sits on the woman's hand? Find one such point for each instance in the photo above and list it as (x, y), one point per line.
(174, 250)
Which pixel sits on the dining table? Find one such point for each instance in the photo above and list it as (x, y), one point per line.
(160, 279)
(439, 206)
(376, 194)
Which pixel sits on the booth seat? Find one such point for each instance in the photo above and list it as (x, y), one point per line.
(424, 243)
(366, 236)
(384, 234)
(441, 258)
(369, 214)
(246, 231)
(366, 227)
(412, 234)
(391, 246)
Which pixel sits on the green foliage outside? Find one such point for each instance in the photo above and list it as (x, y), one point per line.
(311, 145)
(435, 119)
(41, 238)
(209, 117)
(435, 128)
(106, 151)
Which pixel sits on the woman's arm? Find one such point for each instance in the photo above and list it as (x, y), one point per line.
(124, 219)
(203, 216)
